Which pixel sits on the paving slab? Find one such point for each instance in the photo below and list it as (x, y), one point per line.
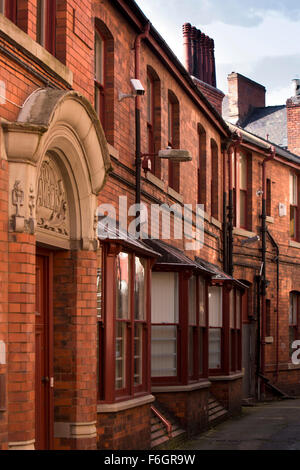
(267, 426)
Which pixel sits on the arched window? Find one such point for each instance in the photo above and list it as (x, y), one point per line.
(153, 119)
(104, 78)
(173, 139)
(46, 25)
(214, 179)
(202, 166)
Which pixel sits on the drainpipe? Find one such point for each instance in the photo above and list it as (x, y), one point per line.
(233, 146)
(225, 235)
(138, 160)
(275, 245)
(263, 259)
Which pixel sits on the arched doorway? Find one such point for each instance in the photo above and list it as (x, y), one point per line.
(58, 163)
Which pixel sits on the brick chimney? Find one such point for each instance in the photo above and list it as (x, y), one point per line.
(199, 57)
(243, 95)
(293, 120)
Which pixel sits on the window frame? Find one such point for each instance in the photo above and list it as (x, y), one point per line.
(174, 133)
(107, 391)
(183, 376)
(236, 185)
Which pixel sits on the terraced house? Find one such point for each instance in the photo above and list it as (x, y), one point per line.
(120, 342)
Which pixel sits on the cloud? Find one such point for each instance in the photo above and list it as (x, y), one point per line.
(247, 13)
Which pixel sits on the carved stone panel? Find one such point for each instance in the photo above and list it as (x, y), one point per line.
(52, 211)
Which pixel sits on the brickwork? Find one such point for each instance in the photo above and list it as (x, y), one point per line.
(243, 94)
(190, 408)
(75, 340)
(21, 337)
(229, 393)
(124, 430)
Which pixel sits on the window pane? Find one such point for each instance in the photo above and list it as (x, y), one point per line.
(231, 308)
(41, 17)
(140, 289)
(170, 122)
(243, 172)
(215, 306)
(123, 287)
(99, 58)
(149, 101)
(293, 189)
(238, 309)
(191, 351)
(293, 221)
(120, 355)
(243, 209)
(164, 298)
(214, 358)
(293, 309)
(201, 336)
(164, 351)
(202, 317)
(192, 300)
(138, 354)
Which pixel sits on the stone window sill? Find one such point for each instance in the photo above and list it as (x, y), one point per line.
(294, 244)
(154, 180)
(243, 233)
(181, 388)
(174, 194)
(24, 41)
(125, 405)
(270, 219)
(228, 378)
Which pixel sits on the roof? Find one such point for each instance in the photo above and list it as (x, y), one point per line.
(173, 256)
(264, 144)
(269, 122)
(108, 229)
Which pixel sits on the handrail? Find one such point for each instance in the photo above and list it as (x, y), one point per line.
(166, 423)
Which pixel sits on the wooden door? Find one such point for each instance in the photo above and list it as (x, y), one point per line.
(44, 352)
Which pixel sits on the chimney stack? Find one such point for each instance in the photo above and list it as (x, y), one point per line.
(199, 54)
(293, 119)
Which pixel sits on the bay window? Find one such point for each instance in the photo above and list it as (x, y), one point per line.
(294, 200)
(123, 323)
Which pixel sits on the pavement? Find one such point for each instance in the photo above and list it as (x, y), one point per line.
(267, 426)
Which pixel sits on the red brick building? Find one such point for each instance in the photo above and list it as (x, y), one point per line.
(100, 338)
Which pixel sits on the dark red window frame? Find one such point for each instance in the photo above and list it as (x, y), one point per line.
(107, 327)
(183, 377)
(202, 165)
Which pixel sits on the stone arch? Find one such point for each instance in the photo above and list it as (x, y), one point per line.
(62, 127)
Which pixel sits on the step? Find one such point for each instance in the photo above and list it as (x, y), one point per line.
(158, 433)
(218, 415)
(159, 441)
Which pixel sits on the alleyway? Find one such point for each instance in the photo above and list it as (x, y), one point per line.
(272, 426)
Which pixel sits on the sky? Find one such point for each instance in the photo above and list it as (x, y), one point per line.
(257, 38)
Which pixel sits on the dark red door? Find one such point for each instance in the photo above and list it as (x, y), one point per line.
(43, 344)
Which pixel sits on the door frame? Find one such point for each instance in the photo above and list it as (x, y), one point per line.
(49, 357)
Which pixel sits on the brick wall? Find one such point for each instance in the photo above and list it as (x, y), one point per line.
(125, 430)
